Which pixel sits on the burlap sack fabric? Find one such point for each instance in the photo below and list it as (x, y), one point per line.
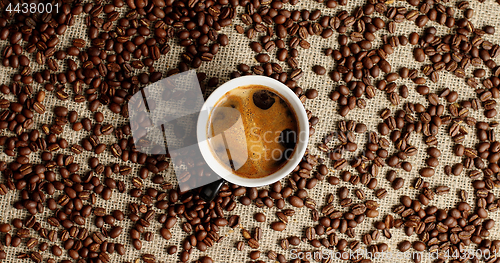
(238, 51)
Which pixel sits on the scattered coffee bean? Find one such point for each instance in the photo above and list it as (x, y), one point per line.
(278, 226)
(320, 70)
(5, 228)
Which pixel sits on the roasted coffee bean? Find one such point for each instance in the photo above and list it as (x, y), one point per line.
(398, 183)
(172, 250)
(115, 231)
(311, 93)
(418, 54)
(5, 228)
(256, 47)
(240, 245)
(419, 246)
(404, 246)
(260, 217)
(57, 251)
(320, 70)
(61, 111)
(148, 258)
(253, 243)
(262, 58)
(296, 201)
(426, 172)
(278, 226)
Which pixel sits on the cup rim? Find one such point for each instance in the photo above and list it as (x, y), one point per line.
(279, 88)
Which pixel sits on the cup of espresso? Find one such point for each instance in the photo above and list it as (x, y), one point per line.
(255, 133)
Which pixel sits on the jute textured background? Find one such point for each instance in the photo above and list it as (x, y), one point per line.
(238, 51)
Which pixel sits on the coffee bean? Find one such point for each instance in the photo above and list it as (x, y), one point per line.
(262, 58)
(255, 255)
(296, 201)
(57, 251)
(137, 244)
(240, 245)
(457, 169)
(282, 54)
(223, 40)
(148, 258)
(5, 228)
(310, 233)
(320, 70)
(278, 226)
(206, 259)
(115, 232)
(381, 193)
(432, 162)
(419, 246)
(17, 223)
(269, 46)
(311, 93)
(253, 243)
(172, 250)
(434, 152)
(404, 246)
(418, 54)
(184, 256)
(426, 172)
(260, 217)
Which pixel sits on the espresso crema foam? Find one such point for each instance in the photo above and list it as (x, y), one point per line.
(252, 131)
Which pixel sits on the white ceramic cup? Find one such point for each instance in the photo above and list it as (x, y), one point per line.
(279, 88)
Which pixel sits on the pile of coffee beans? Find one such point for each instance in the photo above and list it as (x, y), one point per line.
(117, 58)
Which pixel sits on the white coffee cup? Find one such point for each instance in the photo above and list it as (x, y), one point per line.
(302, 138)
